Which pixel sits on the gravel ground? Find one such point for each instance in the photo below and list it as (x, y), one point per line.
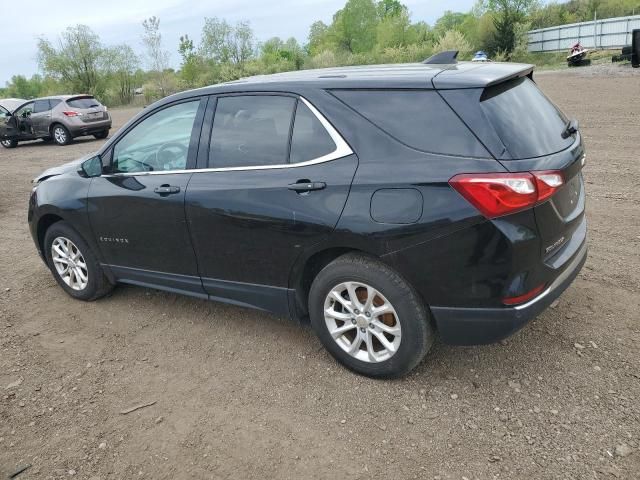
(242, 394)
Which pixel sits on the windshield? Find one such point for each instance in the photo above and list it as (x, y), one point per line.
(526, 121)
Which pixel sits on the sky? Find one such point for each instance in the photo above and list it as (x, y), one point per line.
(119, 21)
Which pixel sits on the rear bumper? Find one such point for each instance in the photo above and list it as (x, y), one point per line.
(477, 326)
(89, 128)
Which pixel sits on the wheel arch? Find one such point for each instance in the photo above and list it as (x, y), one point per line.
(44, 223)
(308, 268)
(53, 125)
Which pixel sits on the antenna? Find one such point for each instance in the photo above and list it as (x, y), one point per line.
(448, 56)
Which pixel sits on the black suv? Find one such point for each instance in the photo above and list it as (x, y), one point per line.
(383, 203)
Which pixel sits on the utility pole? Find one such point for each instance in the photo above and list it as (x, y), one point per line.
(595, 28)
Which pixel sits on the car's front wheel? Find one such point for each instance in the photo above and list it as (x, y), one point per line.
(9, 143)
(73, 264)
(369, 318)
(61, 135)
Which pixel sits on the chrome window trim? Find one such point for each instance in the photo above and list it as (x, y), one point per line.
(342, 150)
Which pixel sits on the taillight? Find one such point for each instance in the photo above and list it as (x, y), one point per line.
(524, 297)
(547, 182)
(71, 113)
(497, 194)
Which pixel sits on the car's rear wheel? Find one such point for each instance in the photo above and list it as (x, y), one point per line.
(369, 318)
(73, 264)
(101, 135)
(9, 143)
(61, 135)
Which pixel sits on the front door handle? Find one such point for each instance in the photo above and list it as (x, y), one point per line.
(302, 186)
(166, 190)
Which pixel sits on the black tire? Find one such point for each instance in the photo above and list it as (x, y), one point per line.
(9, 143)
(60, 134)
(417, 332)
(97, 283)
(101, 135)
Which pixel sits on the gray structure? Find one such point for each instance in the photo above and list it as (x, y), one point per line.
(606, 33)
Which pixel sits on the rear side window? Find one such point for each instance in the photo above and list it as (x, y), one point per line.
(54, 102)
(418, 118)
(83, 102)
(528, 124)
(251, 130)
(41, 106)
(310, 140)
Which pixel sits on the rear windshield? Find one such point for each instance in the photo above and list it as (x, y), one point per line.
(418, 118)
(84, 102)
(526, 121)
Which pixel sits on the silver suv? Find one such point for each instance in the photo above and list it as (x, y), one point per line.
(60, 118)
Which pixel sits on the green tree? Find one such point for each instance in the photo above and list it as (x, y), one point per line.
(157, 56)
(354, 27)
(449, 21)
(278, 56)
(453, 40)
(390, 8)
(318, 37)
(190, 68)
(393, 29)
(506, 15)
(223, 43)
(78, 60)
(123, 63)
(21, 87)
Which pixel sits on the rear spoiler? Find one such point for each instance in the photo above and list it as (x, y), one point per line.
(80, 96)
(476, 75)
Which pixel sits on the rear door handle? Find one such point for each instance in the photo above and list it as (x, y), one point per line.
(166, 190)
(306, 186)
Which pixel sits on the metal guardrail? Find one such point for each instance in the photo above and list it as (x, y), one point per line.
(605, 33)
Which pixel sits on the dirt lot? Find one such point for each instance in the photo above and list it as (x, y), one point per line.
(242, 394)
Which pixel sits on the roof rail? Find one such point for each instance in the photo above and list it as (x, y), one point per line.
(448, 56)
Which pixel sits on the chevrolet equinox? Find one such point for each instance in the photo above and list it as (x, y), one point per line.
(384, 204)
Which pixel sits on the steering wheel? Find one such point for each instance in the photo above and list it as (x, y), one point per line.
(161, 163)
(146, 167)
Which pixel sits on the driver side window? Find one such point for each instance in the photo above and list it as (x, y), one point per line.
(159, 143)
(25, 110)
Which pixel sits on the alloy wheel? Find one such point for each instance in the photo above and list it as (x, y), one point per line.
(362, 322)
(60, 135)
(69, 263)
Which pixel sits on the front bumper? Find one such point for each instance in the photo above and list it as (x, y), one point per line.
(478, 326)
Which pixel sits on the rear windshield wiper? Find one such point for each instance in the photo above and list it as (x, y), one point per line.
(570, 128)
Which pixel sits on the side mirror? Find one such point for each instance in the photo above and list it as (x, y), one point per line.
(91, 168)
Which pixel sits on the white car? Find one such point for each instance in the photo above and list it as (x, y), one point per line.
(10, 104)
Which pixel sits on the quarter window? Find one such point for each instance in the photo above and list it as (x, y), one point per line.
(310, 139)
(418, 118)
(159, 142)
(251, 130)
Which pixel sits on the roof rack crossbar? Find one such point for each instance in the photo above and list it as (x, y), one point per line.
(446, 57)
